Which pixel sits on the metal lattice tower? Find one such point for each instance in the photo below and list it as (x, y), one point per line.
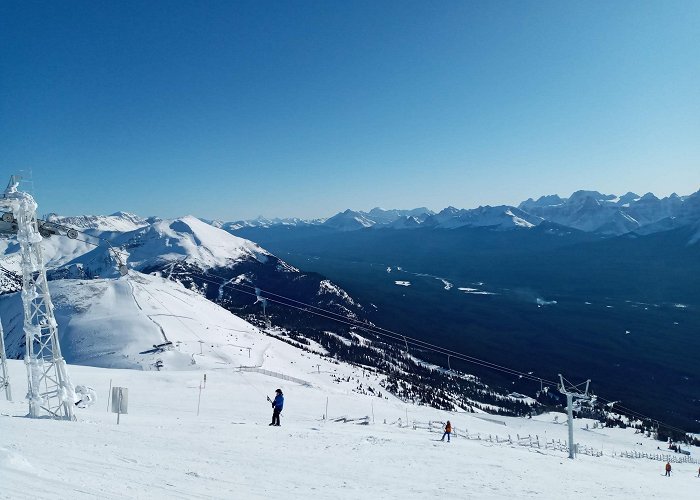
(50, 392)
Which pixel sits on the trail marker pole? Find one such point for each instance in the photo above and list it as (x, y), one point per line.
(199, 399)
(326, 416)
(109, 395)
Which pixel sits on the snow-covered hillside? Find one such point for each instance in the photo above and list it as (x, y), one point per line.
(368, 447)
(117, 322)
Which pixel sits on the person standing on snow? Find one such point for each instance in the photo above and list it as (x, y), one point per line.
(448, 431)
(277, 405)
(668, 469)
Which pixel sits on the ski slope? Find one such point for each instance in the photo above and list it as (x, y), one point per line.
(115, 323)
(163, 449)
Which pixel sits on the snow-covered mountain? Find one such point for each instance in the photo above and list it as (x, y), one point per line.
(119, 221)
(500, 217)
(163, 242)
(264, 222)
(349, 221)
(382, 216)
(223, 267)
(590, 211)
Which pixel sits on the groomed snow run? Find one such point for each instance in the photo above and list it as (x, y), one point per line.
(162, 449)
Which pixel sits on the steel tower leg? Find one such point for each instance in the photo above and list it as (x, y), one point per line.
(4, 374)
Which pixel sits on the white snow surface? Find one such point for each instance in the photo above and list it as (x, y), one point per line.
(163, 449)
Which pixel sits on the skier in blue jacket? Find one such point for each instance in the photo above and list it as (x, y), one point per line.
(277, 405)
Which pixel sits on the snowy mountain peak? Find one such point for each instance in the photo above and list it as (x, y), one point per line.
(542, 201)
(349, 220)
(628, 198)
(118, 221)
(188, 238)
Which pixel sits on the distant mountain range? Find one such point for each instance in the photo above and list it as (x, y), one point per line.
(589, 211)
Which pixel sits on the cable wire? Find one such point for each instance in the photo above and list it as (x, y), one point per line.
(370, 328)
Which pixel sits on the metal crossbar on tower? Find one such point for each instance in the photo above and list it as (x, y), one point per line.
(50, 392)
(572, 392)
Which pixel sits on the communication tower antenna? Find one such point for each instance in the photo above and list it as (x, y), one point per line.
(50, 391)
(573, 392)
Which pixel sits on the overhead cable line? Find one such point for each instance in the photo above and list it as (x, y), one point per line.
(311, 309)
(379, 331)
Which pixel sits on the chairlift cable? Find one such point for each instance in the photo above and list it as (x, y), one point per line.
(376, 330)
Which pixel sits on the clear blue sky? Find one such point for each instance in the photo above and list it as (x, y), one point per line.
(298, 108)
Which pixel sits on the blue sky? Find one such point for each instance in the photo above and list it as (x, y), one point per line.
(234, 109)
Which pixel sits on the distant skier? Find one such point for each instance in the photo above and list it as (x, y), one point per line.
(668, 469)
(698, 471)
(448, 431)
(277, 405)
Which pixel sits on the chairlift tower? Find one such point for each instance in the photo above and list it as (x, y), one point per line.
(572, 392)
(50, 391)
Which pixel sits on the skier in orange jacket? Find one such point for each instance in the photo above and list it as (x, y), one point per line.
(668, 469)
(448, 431)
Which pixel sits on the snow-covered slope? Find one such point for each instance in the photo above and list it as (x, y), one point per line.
(116, 322)
(179, 442)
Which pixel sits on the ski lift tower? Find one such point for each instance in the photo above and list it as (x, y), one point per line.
(572, 392)
(50, 392)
